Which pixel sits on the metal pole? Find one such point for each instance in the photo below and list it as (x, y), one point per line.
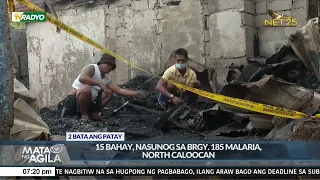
(6, 84)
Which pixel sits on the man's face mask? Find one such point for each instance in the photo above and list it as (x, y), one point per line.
(181, 66)
(181, 62)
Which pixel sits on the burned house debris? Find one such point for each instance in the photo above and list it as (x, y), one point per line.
(288, 79)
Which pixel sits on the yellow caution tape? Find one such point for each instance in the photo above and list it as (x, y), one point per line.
(240, 103)
(11, 6)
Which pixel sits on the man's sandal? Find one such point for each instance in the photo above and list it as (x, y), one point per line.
(97, 118)
(84, 119)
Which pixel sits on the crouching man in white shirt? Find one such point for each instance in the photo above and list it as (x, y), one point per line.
(93, 89)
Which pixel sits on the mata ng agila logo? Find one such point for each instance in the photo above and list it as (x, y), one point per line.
(42, 154)
(279, 20)
(29, 17)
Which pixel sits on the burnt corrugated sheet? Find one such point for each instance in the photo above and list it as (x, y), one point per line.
(22, 8)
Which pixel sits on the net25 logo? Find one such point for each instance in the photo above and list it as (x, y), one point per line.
(42, 154)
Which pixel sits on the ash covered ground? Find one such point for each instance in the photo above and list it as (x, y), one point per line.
(137, 122)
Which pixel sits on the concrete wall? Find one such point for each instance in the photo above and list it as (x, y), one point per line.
(270, 38)
(217, 33)
(21, 62)
(228, 35)
(55, 59)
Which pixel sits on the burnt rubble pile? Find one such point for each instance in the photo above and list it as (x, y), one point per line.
(138, 83)
(287, 79)
(217, 121)
(136, 119)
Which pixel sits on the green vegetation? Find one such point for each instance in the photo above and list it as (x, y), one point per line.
(18, 25)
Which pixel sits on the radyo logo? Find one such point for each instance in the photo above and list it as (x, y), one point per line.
(42, 154)
(29, 16)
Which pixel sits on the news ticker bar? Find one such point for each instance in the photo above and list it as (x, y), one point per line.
(155, 171)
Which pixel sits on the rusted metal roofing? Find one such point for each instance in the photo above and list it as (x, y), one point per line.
(22, 8)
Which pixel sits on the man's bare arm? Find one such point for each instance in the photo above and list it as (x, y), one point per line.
(161, 88)
(124, 92)
(86, 77)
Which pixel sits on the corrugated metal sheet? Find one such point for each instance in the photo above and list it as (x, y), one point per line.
(22, 8)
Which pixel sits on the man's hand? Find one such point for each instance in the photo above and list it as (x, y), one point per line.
(176, 100)
(104, 88)
(140, 94)
(198, 84)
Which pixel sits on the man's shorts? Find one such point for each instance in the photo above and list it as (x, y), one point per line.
(186, 96)
(70, 105)
(163, 101)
